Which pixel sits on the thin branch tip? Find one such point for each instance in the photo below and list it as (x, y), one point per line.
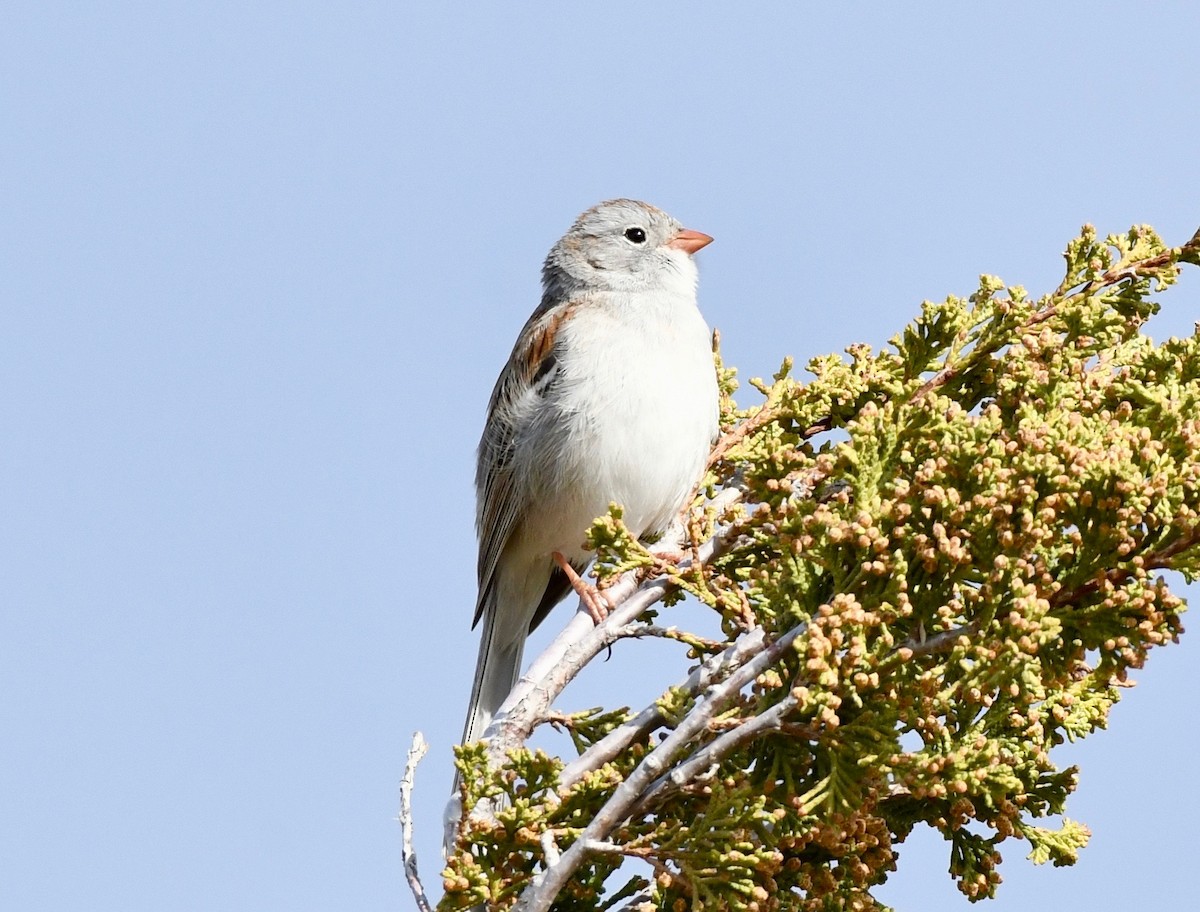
(416, 752)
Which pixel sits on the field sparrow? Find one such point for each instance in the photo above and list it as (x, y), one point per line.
(609, 395)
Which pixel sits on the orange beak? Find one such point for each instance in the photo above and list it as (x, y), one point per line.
(689, 241)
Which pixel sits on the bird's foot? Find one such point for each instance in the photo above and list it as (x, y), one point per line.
(595, 601)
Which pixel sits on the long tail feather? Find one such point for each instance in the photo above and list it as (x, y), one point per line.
(496, 671)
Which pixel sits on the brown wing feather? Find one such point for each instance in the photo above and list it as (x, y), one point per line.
(498, 505)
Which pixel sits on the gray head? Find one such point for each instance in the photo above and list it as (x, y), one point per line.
(623, 245)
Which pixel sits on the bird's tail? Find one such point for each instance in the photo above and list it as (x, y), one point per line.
(496, 672)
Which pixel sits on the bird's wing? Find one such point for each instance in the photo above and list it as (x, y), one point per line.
(500, 502)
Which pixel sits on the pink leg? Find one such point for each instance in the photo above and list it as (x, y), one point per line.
(594, 600)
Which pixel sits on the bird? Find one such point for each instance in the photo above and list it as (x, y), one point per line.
(609, 396)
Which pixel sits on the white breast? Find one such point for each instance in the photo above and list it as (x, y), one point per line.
(634, 413)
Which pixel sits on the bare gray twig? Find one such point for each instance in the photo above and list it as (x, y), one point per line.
(709, 755)
(415, 752)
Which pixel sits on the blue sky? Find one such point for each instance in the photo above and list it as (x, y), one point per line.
(260, 264)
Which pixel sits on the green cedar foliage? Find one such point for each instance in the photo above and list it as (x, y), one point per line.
(962, 537)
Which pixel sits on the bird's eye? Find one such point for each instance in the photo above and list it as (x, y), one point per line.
(637, 235)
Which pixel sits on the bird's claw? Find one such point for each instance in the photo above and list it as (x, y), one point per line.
(597, 603)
